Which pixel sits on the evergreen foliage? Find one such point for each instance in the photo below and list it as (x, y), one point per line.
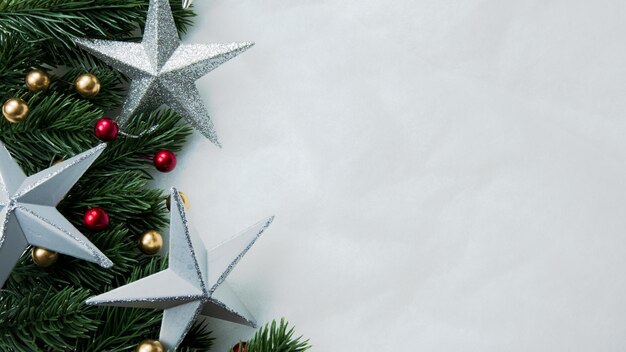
(51, 24)
(60, 126)
(276, 337)
(43, 309)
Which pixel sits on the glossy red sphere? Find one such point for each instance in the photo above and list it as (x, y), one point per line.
(165, 161)
(106, 129)
(96, 219)
(240, 347)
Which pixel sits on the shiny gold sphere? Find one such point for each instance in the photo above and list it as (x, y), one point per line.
(183, 197)
(150, 242)
(37, 80)
(88, 85)
(149, 346)
(43, 257)
(15, 110)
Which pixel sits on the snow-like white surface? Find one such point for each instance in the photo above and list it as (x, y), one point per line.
(446, 175)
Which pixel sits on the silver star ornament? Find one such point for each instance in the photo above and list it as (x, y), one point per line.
(194, 283)
(164, 71)
(28, 214)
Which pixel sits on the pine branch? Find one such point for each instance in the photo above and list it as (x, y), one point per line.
(42, 309)
(53, 319)
(56, 128)
(51, 24)
(198, 339)
(123, 153)
(60, 126)
(276, 338)
(14, 63)
(115, 243)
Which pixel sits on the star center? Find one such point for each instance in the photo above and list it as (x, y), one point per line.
(11, 205)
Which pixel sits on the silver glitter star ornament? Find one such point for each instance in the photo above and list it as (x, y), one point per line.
(164, 71)
(28, 214)
(193, 284)
(186, 4)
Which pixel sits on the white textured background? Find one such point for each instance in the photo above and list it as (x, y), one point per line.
(447, 175)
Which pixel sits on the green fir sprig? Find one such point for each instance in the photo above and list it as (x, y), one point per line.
(32, 319)
(50, 25)
(276, 337)
(60, 126)
(42, 309)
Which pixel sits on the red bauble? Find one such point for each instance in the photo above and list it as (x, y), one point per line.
(165, 161)
(106, 129)
(240, 347)
(96, 219)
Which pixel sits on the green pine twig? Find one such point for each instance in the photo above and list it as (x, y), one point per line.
(51, 24)
(275, 337)
(35, 319)
(60, 126)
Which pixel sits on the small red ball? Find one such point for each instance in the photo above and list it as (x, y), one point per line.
(165, 161)
(240, 347)
(106, 129)
(96, 219)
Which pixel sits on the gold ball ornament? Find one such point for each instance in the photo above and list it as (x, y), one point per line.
(149, 346)
(150, 242)
(183, 197)
(15, 110)
(37, 80)
(87, 85)
(43, 257)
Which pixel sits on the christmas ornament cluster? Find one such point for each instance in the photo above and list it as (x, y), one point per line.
(16, 110)
(162, 71)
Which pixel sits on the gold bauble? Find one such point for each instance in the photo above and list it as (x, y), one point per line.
(88, 85)
(15, 110)
(150, 242)
(57, 161)
(183, 197)
(149, 346)
(37, 80)
(43, 257)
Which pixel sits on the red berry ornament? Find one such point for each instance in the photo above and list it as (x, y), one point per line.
(240, 347)
(165, 161)
(106, 129)
(96, 219)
